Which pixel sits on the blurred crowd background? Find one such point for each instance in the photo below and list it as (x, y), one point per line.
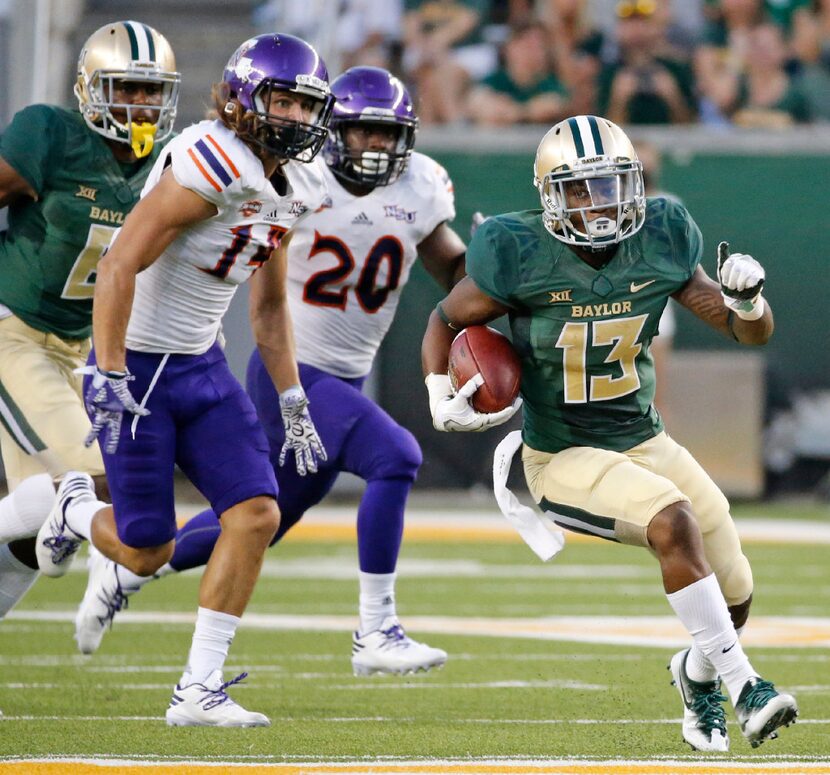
(751, 63)
(727, 102)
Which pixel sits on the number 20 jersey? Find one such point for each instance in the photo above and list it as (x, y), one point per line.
(181, 298)
(348, 263)
(583, 334)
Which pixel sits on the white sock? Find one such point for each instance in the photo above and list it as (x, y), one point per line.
(79, 515)
(25, 509)
(698, 667)
(164, 570)
(377, 599)
(211, 640)
(704, 613)
(15, 579)
(133, 581)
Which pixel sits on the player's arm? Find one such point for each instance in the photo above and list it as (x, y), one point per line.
(271, 320)
(274, 336)
(465, 306)
(442, 254)
(153, 224)
(13, 186)
(704, 297)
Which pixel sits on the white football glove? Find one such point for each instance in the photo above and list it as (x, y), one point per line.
(107, 399)
(741, 280)
(300, 434)
(455, 413)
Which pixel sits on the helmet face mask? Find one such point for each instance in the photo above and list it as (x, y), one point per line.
(590, 183)
(267, 65)
(370, 98)
(123, 54)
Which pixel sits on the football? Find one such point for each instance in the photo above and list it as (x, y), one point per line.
(483, 349)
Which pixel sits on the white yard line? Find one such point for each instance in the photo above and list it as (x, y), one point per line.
(655, 631)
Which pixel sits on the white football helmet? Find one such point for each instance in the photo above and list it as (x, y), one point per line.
(127, 51)
(586, 166)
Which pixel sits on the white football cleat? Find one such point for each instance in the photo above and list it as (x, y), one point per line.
(207, 705)
(390, 650)
(761, 710)
(103, 599)
(56, 542)
(704, 722)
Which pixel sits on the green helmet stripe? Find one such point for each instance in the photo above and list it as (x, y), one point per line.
(142, 47)
(150, 44)
(577, 135)
(133, 41)
(592, 121)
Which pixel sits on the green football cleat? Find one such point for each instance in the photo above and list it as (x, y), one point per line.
(704, 722)
(761, 710)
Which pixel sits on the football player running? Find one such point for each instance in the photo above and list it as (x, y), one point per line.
(68, 177)
(218, 203)
(584, 281)
(347, 266)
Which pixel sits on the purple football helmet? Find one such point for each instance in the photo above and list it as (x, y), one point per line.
(370, 95)
(277, 62)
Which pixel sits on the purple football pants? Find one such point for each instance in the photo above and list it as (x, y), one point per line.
(359, 437)
(201, 420)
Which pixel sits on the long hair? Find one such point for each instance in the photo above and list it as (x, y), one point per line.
(230, 111)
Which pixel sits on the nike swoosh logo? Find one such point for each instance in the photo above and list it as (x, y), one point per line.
(723, 651)
(634, 287)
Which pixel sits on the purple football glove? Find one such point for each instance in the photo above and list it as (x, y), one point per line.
(106, 400)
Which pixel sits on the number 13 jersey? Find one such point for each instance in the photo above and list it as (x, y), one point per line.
(348, 263)
(584, 334)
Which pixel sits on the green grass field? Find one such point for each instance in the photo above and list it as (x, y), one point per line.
(499, 697)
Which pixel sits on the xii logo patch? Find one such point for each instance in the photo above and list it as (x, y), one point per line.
(558, 297)
(86, 192)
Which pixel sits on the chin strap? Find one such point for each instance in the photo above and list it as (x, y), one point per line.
(142, 138)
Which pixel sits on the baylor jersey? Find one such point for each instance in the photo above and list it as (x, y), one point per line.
(50, 251)
(584, 334)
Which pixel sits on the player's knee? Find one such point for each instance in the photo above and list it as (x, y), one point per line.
(675, 530)
(740, 613)
(736, 581)
(262, 520)
(146, 561)
(401, 458)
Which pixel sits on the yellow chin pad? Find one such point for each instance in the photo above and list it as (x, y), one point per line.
(141, 138)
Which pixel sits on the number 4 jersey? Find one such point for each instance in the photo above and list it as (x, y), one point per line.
(50, 251)
(583, 334)
(348, 263)
(181, 298)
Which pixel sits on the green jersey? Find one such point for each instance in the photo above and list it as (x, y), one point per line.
(583, 334)
(50, 251)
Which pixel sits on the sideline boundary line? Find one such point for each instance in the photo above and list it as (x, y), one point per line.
(705, 766)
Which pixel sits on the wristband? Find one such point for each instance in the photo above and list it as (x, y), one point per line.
(755, 309)
(444, 318)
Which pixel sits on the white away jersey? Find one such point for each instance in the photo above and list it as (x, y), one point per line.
(180, 299)
(348, 263)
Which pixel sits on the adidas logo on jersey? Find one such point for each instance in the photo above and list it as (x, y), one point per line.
(361, 220)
